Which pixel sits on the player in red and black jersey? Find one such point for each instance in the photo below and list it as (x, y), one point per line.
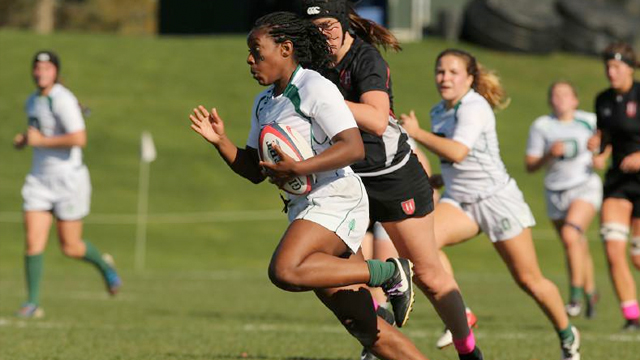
(400, 196)
(619, 126)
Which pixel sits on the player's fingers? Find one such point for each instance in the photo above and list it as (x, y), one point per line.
(197, 114)
(268, 166)
(194, 120)
(280, 153)
(412, 114)
(214, 115)
(196, 129)
(204, 111)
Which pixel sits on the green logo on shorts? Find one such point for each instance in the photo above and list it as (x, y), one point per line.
(506, 225)
(352, 225)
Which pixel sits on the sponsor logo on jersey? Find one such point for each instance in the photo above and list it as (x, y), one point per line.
(409, 206)
(632, 109)
(313, 10)
(606, 111)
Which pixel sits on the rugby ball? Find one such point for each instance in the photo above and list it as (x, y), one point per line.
(292, 144)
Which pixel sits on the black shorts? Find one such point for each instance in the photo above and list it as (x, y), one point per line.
(402, 194)
(619, 185)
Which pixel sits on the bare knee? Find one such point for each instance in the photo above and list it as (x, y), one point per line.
(570, 235)
(284, 276)
(434, 281)
(616, 253)
(74, 249)
(530, 283)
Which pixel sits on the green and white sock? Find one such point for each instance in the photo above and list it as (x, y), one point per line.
(380, 272)
(576, 293)
(93, 256)
(33, 270)
(566, 335)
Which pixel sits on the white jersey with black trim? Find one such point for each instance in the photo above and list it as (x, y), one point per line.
(576, 165)
(472, 123)
(310, 104)
(55, 114)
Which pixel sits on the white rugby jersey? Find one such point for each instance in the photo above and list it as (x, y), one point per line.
(472, 123)
(576, 165)
(56, 114)
(310, 104)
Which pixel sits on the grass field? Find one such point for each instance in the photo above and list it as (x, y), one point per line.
(204, 293)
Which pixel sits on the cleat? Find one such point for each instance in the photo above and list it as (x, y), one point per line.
(111, 279)
(476, 354)
(387, 316)
(399, 289)
(571, 350)
(573, 309)
(30, 311)
(590, 311)
(631, 325)
(446, 338)
(367, 355)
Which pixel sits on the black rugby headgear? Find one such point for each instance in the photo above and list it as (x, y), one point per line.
(47, 55)
(338, 9)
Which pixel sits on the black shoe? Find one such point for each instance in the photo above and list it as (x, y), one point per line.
(399, 289)
(631, 325)
(476, 354)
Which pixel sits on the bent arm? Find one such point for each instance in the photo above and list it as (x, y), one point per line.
(78, 138)
(244, 162)
(347, 148)
(534, 163)
(372, 113)
(447, 149)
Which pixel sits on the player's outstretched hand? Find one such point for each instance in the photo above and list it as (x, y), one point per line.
(410, 123)
(283, 170)
(631, 163)
(209, 125)
(20, 141)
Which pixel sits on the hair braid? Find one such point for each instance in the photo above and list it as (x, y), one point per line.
(310, 47)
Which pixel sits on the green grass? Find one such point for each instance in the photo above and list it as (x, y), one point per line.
(204, 293)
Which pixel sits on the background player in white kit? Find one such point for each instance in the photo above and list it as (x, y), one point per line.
(479, 193)
(58, 184)
(573, 190)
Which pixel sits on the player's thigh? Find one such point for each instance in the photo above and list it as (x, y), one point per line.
(303, 238)
(519, 254)
(37, 225)
(452, 225)
(580, 214)
(616, 210)
(69, 232)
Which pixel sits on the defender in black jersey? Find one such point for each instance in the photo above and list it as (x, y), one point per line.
(399, 193)
(619, 127)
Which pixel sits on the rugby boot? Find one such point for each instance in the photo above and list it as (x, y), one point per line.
(399, 290)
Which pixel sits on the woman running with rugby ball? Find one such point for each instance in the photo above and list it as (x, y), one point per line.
(400, 197)
(479, 193)
(320, 249)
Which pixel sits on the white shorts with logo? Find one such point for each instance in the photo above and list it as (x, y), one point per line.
(67, 195)
(501, 215)
(340, 205)
(558, 202)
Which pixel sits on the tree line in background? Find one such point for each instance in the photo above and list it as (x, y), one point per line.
(45, 16)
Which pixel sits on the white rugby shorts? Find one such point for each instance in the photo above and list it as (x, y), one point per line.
(558, 202)
(501, 215)
(341, 205)
(67, 194)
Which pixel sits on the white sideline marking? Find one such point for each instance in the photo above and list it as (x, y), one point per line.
(209, 217)
(326, 329)
(168, 218)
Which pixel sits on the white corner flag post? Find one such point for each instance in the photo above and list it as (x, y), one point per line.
(147, 155)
